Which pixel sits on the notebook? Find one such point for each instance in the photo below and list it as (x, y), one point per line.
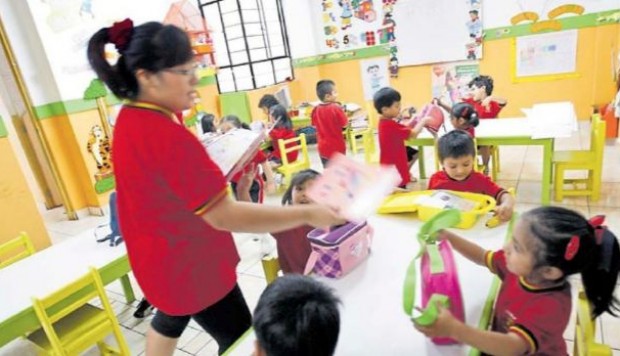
(445, 200)
(233, 150)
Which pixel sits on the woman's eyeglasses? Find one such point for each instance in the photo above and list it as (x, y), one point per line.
(186, 72)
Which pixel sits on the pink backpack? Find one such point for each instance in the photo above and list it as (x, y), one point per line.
(440, 281)
(337, 252)
(436, 114)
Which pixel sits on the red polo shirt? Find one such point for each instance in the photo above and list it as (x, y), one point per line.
(392, 136)
(281, 133)
(539, 316)
(293, 249)
(165, 180)
(483, 112)
(475, 183)
(329, 120)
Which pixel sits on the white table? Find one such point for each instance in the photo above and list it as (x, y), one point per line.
(50, 269)
(372, 318)
(501, 132)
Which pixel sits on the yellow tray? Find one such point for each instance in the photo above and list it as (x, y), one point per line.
(406, 203)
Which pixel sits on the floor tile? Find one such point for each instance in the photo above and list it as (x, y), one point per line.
(197, 343)
(211, 349)
(252, 287)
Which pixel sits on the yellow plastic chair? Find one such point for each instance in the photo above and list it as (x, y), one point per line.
(590, 161)
(70, 325)
(494, 152)
(585, 330)
(288, 169)
(271, 267)
(371, 154)
(21, 242)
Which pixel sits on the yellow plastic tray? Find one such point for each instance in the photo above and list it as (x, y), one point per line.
(406, 203)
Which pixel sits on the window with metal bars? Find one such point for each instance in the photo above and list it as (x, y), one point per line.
(251, 43)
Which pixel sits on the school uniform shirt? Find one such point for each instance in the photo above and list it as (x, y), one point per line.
(392, 136)
(259, 158)
(282, 133)
(475, 183)
(329, 120)
(483, 112)
(537, 315)
(293, 249)
(165, 181)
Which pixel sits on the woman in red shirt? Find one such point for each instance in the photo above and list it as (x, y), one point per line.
(172, 198)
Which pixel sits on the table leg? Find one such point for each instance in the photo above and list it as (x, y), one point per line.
(127, 289)
(546, 177)
(421, 164)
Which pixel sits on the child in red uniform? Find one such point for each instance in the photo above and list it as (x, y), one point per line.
(293, 245)
(329, 119)
(172, 198)
(230, 122)
(534, 303)
(456, 153)
(282, 130)
(393, 134)
(464, 117)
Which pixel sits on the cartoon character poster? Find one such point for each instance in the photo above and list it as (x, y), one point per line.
(349, 24)
(374, 76)
(449, 80)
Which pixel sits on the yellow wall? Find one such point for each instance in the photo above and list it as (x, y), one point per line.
(594, 85)
(209, 99)
(18, 211)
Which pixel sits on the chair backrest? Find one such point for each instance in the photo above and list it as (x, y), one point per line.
(16, 249)
(597, 138)
(373, 116)
(585, 330)
(300, 144)
(271, 267)
(68, 299)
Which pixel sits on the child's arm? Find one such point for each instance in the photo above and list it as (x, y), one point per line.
(499, 100)
(415, 131)
(270, 179)
(505, 207)
(244, 184)
(443, 105)
(489, 342)
(468, 249)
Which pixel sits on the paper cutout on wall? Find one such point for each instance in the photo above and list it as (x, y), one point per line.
(346, 13)
(374, 76)
(364, 10)
(547, 25)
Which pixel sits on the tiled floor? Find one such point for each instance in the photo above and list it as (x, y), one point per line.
(521, 168)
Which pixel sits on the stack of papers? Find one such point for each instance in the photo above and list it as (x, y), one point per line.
(552, 120)
(233, 150)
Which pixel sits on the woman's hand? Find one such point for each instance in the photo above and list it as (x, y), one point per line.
(444, 326)
(322, 217)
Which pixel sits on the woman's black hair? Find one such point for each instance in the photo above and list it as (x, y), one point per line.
(596, 258)
(280, 115)
(152, 46)
(299, 179)
(207, 121)
(467, 112)
(236, 122)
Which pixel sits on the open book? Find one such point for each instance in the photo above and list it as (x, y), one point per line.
(233, 150)
(353, 188)
(445, 200)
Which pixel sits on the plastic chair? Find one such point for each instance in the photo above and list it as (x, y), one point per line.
(371, 154)
(585, 331)
(494, 151)
(590, 161)
(271, 267)
(21, 242)
(70, 325)
(288, 169)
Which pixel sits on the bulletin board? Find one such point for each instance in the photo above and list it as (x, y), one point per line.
(435, 31)
(546, 56)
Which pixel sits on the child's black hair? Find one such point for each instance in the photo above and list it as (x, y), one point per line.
(236, 122)
(384, 98)
(267, 101)
(467, 112)
(152, 46)
(455, 144)
(483, 80)
(207, 121)
(298, 179)
(280, 115)
(324, 87)
(297, 315)
(596, 252)
(475, 12)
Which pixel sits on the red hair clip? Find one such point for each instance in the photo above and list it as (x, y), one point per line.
(572, 248)
(120, 34)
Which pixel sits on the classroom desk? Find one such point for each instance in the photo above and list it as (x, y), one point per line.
(502, 132)
(51, 269)
(372, 317)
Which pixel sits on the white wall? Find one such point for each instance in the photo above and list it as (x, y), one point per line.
(302, 26)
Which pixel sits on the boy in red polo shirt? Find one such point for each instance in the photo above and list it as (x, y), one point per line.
(456, 153)
(393, 134)
(329, 119)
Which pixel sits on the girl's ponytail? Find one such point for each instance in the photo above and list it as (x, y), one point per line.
(467, 112)
(601, 276)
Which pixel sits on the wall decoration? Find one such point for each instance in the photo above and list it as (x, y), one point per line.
(545, 56)
(449, 80)
(364, 10)
(348, 23)
(387, 35)
(374, 76)
(346, 14)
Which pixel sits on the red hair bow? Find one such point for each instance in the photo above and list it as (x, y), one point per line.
(120, 34)
(597, 224)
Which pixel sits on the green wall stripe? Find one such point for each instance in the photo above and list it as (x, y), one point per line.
(368, 52)
(574, 22)
(204, 81)
(3, 132)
